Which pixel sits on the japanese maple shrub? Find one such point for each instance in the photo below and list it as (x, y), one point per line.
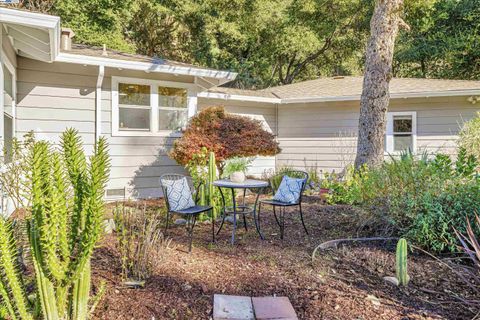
(225, 134)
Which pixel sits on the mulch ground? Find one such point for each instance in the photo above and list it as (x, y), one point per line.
(344, 283)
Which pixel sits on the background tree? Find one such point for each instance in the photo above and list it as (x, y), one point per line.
(385, 24)
(444, 42)
(225, 134)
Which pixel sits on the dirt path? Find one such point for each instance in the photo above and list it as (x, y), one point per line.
(344, 284)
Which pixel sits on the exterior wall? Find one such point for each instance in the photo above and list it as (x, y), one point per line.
(137, 162)
(55, 96)
(265, 112)
(323, 135)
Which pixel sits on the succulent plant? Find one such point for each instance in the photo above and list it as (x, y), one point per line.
(401, 263)
(65, 224)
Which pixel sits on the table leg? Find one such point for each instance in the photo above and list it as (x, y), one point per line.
(224, 214)
(257, 226)
(234, 215)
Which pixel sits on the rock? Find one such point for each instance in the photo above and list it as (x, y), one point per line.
(391, 280)
(180, 222)
(108, 226)
(375, 301)
(134, 284)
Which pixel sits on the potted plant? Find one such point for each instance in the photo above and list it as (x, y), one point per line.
(236, 168)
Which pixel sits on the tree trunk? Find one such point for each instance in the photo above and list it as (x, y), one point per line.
(384, 26)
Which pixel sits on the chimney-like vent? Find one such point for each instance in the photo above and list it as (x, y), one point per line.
(67, 35)
(104, 51)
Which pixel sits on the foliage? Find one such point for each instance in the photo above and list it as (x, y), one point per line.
(140, 239)
(225, 134)
(64, 227)
(469, 241)
(443, 42)
(269, 42)
(14, 171)
(96, 22)
(236, 164)
(419, 197)
(401, 263)
(469, 136)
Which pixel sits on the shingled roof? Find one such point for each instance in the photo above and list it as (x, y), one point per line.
(350, 88)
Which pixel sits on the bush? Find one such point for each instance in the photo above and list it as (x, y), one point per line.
(226, 135)
(420, 197)
(140, 240)
(469, 136)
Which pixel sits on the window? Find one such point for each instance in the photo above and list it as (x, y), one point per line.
(172, 105)
(401, 132)
(134, 109)
(143, 107)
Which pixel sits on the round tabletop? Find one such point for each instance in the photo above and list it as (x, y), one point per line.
(248, 183)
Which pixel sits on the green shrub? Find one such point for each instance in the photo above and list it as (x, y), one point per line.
(420, 197)
(469, 136)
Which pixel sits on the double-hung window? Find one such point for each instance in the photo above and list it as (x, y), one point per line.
(401, 132)
(143, 107)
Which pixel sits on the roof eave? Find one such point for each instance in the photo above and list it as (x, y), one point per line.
(144, 66)
(404, 95)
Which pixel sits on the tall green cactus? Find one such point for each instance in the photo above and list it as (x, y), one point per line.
(65, 224)
(212, 176)
(401, 263)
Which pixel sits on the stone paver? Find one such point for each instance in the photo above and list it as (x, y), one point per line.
(232, 307)
(273, 308)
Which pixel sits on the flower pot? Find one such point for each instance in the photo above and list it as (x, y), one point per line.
(237, 176)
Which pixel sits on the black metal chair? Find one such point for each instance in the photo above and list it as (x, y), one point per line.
(190, 214)
(283, 205)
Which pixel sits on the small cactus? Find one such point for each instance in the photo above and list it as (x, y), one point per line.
(401, 263)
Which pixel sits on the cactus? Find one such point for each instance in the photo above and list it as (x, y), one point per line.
(65, 224)
(401, 263)
(212, 175)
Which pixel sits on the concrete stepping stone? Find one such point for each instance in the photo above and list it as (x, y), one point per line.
(273, 308)
(232, 308)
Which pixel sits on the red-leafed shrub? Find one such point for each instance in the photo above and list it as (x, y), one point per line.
(226, 134)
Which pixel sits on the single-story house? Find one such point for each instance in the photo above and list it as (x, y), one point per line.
(141, 104)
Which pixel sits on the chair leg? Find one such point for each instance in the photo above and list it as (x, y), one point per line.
(258, 215)
(301, 217)
(190, 231)
(282, 221)
(275, 215)
(213, 226)
(221, 224)
(245, 222)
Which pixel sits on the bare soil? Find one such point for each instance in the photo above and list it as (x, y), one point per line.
(345, 283)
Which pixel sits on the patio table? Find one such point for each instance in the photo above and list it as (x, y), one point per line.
(243, 208)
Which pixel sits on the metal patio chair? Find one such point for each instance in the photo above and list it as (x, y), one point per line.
(190, 214)
(280, 219)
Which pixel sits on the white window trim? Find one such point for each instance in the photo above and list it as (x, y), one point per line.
(389, 136)
(154, 84)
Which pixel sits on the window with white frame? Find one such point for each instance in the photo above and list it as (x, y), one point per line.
(148, 107)
(401, 132)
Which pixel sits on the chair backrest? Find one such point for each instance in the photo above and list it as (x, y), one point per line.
(298, 174)
(173, 177)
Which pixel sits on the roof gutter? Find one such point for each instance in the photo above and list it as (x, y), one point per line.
(427, 94)
(144, 66)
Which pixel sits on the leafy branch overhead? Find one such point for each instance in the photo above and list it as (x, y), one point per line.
(225, 134)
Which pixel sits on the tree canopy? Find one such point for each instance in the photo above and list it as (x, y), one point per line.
(272, 42)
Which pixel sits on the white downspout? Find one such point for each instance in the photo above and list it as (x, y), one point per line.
(98, 102)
